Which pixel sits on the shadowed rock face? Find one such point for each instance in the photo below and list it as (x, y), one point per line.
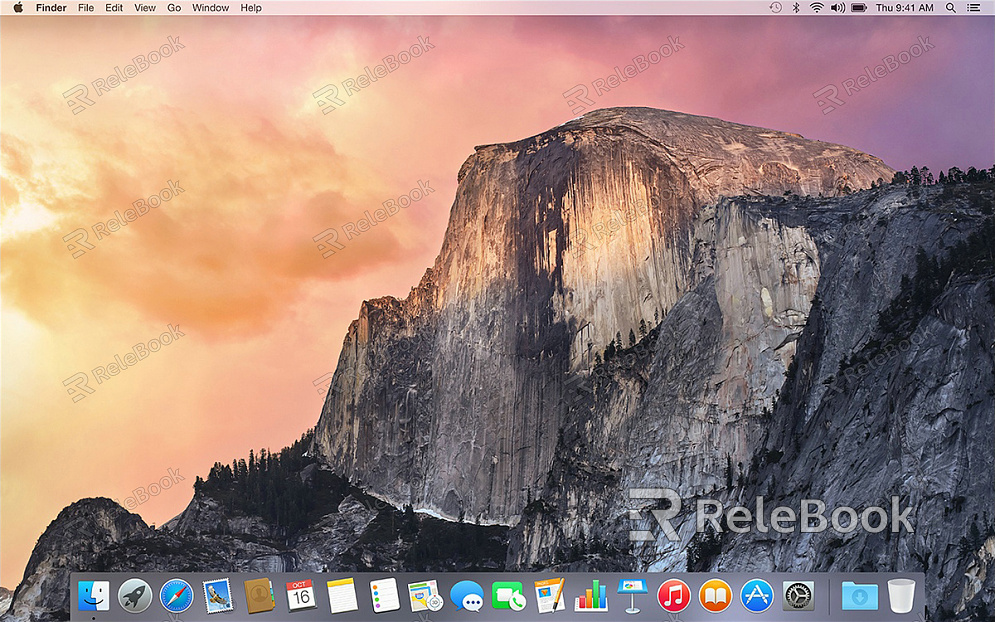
(450, 400)
(871, 408)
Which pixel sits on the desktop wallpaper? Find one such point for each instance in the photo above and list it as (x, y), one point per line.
(488, 297)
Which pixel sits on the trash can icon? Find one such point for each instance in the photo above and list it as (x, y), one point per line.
(902, 594)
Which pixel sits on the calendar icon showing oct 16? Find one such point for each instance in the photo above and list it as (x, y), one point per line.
(300, 595)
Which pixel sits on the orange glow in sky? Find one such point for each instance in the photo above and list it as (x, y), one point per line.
(231, 120)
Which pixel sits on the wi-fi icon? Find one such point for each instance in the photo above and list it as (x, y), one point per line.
(817, 6)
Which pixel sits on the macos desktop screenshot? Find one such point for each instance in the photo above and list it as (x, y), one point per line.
(497, 310)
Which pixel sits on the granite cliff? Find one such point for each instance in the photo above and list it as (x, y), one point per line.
(450, 400)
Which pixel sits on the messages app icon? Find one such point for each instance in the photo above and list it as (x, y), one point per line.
(467, 595)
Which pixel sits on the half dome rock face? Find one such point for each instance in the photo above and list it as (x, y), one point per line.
(558, 247)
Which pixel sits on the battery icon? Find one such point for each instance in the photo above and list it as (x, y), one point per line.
(857, 7)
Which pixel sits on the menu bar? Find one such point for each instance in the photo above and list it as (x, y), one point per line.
(499, 7)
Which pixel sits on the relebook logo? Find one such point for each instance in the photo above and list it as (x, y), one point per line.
(328, 96)
(78, 241)
(78, 385)
(579, 98)
(78, 98)
(810, 517)
(829, 98)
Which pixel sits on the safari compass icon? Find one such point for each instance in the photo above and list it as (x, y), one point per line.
(176, 596)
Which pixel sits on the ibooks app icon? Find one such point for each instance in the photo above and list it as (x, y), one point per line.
(715, 595)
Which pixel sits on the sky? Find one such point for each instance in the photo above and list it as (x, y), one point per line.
(228, 128)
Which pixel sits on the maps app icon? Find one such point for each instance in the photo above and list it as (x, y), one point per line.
(757, 595)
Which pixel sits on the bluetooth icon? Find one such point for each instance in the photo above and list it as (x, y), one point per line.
(796, 7)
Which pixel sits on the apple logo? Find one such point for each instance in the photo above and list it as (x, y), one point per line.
(18, 8)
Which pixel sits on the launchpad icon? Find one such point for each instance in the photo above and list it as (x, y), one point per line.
(135, 595)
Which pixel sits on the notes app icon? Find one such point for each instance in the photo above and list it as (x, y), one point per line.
(674, 595)
(715, 595)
